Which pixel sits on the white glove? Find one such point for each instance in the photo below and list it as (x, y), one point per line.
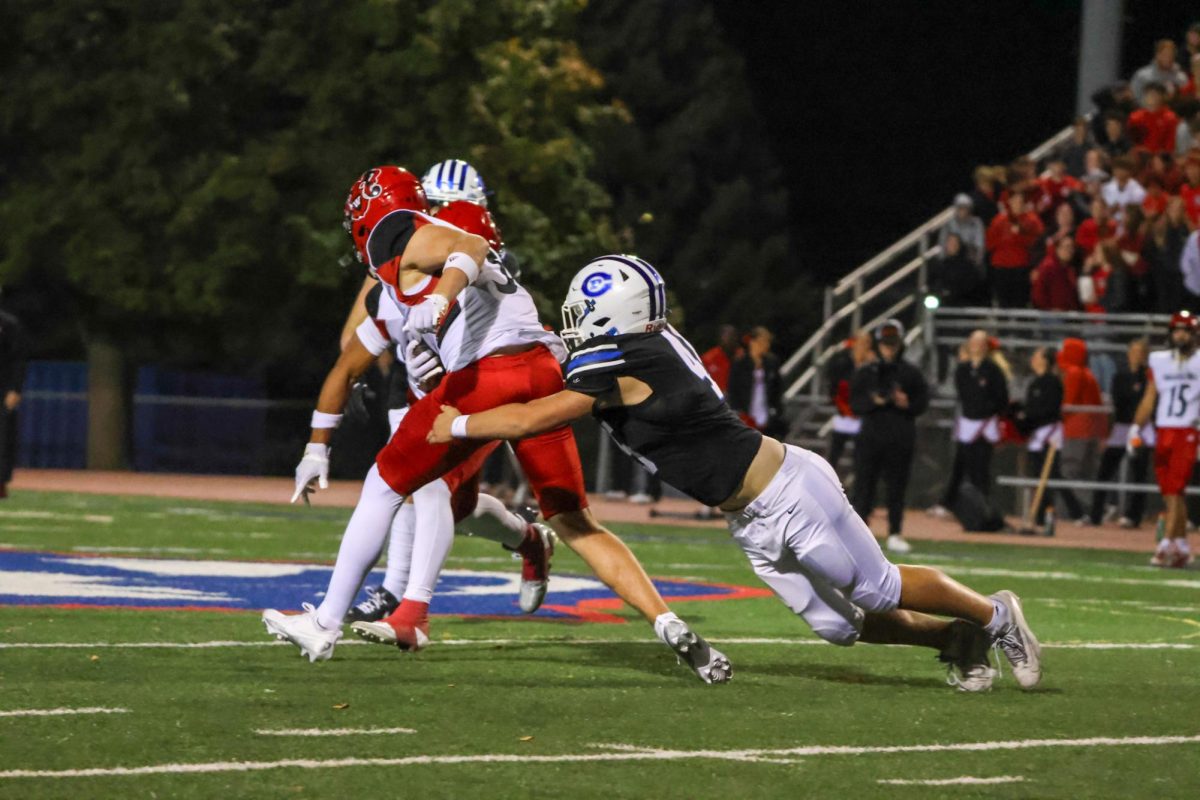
(422, 363)
(1133, 440)
(313, 467)
(425, 317)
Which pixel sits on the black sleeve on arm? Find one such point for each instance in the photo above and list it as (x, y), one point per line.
(372, 301)
(390, 237)
(917, 391)
(862, 389)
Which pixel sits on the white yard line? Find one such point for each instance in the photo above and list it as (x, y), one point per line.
(617, 753)
(215, 645)
(98, 519)
(60, 712)
(332, 731)
(965, 780)
(1054, 575)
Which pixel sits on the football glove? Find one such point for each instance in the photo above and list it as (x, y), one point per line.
(1133, 439)
(422, 363)
(359, 404)
(313, 467)
(425, 316)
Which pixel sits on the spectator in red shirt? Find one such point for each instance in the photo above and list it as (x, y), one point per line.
(1093, 279)
(1189, 190)
(1156, 122)
(1156, 198)
(1057, 188)
(1099, 228)
(1055, 281)
(1010, 240)
(717, 360)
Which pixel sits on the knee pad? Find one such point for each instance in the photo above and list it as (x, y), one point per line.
(834, 628)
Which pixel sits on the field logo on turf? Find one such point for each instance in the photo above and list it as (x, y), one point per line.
(73, 581)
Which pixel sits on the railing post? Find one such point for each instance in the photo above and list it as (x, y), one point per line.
(820, 348)
(856, 317)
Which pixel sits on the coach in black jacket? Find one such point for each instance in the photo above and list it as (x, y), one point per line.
(888, 395)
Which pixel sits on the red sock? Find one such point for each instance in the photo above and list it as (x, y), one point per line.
(411, 613)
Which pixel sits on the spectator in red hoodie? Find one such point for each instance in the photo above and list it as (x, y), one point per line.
(1082, 430)
(718, 359)
(1010, 240)
(1057, 188)
(1054, 280)
(1155, 121)
(1189, 190)
(1100, 228)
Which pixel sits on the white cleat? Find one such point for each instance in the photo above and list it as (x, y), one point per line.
(897, 544)
(938, 511)
(535, 553)
(709, 663)
(968, 666)
(1018, 643)
(302, 630)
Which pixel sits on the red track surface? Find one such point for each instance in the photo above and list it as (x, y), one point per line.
(918, 526)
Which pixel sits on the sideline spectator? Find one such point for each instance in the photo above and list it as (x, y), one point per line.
(1128, 386)
(1189, 190)
(1099, 228)
(1162, 69)
(1040, 419)
(888, 394)
(967, 226)
(1163, 252)
(1122, 190)
(1074, 151)
(1082, 430)
(856, 351)
(1154, 123)
(984, 197)
(955, 278)
(755, 386)
(1010, 240)
(14, 356)
(982, 386)
(720, 357)
(1055, 279)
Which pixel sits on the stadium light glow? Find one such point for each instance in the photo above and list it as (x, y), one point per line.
(932, 302)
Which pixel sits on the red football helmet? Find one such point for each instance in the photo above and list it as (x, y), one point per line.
(472, 218)
(1184, 319)
(379, 192)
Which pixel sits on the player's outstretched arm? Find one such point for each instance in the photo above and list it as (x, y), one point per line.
(353, 362)
(512, 421)
(358, 312)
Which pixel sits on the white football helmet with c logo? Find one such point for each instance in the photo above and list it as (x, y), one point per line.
(613, 295)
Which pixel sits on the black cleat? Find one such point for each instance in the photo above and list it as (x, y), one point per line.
(379, 604)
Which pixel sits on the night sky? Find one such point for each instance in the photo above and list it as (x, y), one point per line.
(886, 107)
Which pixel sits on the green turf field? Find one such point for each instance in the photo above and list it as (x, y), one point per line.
(551, 709)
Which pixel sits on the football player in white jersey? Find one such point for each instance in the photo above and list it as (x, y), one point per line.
(784, 505)
(486, 333)
(1173, 398)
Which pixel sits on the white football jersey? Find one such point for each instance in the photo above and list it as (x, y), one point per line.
(493, 313)
(384, 328)
(1178, 384)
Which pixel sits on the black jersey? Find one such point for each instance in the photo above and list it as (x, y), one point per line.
(684, 432)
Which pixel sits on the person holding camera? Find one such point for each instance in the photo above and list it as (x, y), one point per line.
(888, 395)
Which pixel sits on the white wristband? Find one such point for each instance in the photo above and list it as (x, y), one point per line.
(322, 420)
(464, 263)
(458, 428)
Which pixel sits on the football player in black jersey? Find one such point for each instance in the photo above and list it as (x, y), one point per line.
(784, 505)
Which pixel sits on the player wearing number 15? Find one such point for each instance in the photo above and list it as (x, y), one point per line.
(1173, 397)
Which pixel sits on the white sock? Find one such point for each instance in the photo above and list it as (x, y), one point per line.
(493, 521)
(1000, 618)
(400, 547)
(1181, 544)
(660, 623)
(361, 544)
(1165, 544)
(431, 544)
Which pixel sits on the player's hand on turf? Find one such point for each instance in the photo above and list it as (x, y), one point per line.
(422, 364)
(440, 432)
(425, 316)
(313, 467)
